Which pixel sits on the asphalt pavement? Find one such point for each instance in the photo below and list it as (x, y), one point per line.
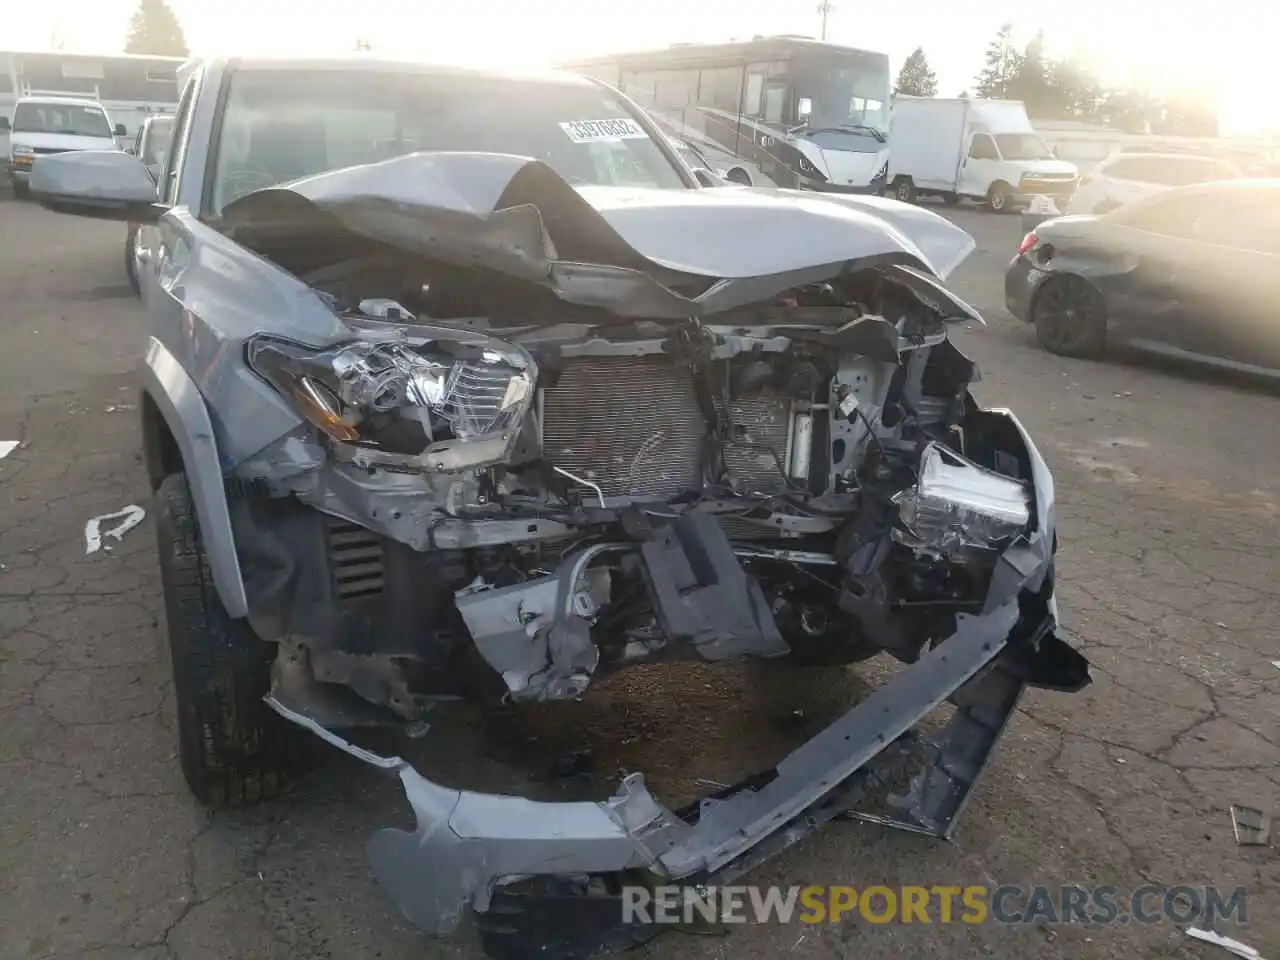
(1168, 488)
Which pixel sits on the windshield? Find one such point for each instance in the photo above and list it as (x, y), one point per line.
(1022, 146)
(282, 125)
(72, 119)
(849, 98)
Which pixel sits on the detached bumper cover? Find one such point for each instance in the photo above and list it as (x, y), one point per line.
(467, 844)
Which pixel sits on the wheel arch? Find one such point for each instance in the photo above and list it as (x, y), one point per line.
(177, 434)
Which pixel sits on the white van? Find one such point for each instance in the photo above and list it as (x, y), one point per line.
(46, 123)
(985, 150)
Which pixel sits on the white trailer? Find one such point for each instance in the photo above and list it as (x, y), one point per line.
(984, 150)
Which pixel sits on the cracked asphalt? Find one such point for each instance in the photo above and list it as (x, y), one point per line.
(1169, 579)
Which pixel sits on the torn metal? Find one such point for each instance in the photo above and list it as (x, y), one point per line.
(509, 436)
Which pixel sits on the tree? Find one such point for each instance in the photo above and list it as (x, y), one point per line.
(1002, 62)
(155, 30)
(1030, 80)
(916, 79)
(1075, 91)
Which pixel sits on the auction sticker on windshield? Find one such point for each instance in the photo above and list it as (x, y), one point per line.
(597, 131)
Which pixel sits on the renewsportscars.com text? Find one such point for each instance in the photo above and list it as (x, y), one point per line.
(939, 903)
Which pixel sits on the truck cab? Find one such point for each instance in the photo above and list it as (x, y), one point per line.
(49, 123)
(983, 150)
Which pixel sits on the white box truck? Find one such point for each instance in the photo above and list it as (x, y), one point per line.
(984, 150)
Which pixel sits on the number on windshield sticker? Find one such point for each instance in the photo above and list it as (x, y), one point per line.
(603, 131)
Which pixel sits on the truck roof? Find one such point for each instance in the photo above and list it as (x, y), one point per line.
(71, 99)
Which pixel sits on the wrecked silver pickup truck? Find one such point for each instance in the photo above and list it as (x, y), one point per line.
(465, 387)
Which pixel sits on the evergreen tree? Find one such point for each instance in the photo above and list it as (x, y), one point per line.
(917, 79)
(155, 30)
(1002, 62)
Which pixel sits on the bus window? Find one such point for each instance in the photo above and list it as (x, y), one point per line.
(754, 92)
(775, 99)
(720, 87)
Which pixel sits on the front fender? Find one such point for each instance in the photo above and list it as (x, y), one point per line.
(180, 404)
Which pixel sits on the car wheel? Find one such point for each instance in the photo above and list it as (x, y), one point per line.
(234, 749)
(21, 189)
(738, 175)
(951, 198)
(131, 258)
(905, 190)
(999, 198)
(1070, 317)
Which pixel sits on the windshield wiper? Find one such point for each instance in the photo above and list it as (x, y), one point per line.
(862, 128)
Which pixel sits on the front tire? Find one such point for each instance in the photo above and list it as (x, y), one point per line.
(131, 259)
(234, 749)
(999, 198)
(739, 176)
(1070, 318)
(21, 190)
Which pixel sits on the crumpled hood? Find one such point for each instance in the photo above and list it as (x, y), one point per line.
(618, 248)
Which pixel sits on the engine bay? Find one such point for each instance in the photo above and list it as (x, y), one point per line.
(503, 509)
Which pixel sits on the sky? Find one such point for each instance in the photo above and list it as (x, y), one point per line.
(1226, 48)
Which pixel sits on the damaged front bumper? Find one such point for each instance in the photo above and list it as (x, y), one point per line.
(471, 850)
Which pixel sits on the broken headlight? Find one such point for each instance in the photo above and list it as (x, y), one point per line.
(447, 403)
(956, 504)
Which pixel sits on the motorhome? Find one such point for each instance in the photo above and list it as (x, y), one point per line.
(983, 150)
(792, 111)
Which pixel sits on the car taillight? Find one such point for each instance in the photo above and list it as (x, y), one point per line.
(1029, 241)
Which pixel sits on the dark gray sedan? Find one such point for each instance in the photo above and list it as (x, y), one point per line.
(1191, 273)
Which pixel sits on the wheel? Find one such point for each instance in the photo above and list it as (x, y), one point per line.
(131, 257)
(905, 190)
(999, 198)
(234, 749)
(21, 189)
(1070, 317)
(951, 198)
(738, 175)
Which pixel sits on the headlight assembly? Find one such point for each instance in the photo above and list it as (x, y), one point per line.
(451, 402)
(20, 151)
(957, 504)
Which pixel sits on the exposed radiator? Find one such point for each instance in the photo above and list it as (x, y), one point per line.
(761, 425)
(632, 425)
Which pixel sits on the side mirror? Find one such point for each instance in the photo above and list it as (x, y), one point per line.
(104, 184)
(706, 178)
(4, 124)
(121, 131)
(804, 108)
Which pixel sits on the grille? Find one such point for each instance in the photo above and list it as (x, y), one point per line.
(630, 424)
(355, 560)
(474, 395)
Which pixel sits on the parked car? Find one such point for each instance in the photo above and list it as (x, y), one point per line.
(151, 146)
(1191, 272)
(1128, 176)
(49, 124)
(458, 385)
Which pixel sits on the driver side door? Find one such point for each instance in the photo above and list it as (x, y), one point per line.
(980, 165)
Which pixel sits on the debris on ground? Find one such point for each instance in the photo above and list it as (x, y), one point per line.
(128, 517)
(1226, 943)
(1252, 827)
